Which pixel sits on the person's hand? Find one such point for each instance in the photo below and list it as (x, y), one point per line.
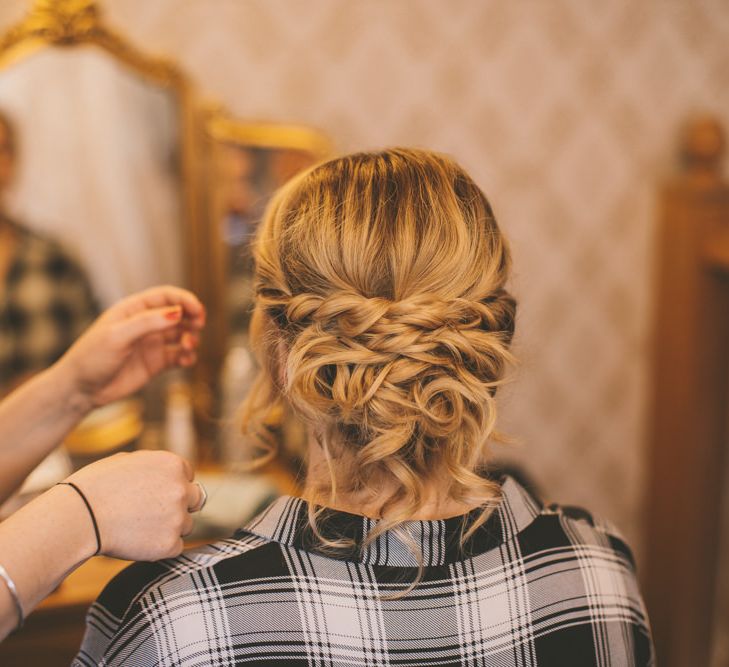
(142, 503)
(131, 342)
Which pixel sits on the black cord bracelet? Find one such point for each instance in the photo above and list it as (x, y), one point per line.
(91, 513)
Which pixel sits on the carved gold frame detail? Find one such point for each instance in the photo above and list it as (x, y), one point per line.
(74, 22)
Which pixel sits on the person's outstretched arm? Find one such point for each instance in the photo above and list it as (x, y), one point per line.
(141, 501)
(129, 344)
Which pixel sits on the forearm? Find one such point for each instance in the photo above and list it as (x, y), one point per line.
(39, 546)
(33, 420)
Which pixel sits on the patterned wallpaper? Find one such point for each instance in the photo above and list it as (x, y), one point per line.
(565, 111)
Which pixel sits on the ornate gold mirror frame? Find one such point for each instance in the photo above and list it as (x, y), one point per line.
(72, 23)
(220, 129)
(69, 23)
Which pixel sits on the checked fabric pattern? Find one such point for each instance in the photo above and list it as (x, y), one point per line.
(46, 303)
(534, 585)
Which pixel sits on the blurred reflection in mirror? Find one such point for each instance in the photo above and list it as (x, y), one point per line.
(248, 176)
(243, 191)
(46, 300)
(91, 187)
(98, 165)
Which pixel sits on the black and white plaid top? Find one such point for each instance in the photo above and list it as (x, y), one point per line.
(533, 586)
(45, 304)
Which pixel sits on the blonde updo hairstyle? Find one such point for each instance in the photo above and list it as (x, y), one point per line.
(383, 320)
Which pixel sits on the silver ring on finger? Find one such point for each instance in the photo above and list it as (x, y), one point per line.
(203, 498)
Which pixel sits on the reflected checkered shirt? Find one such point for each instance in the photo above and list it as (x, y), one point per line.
(533, 586)
(45, 304)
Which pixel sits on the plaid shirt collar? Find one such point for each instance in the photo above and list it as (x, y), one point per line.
(286, 522)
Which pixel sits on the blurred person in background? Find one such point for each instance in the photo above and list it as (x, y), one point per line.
(383, 319)
(131, 506)
(46, 300)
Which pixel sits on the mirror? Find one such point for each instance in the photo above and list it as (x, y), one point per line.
(110, 208)
(247, 162)
(247, 176)
(114, 205)
(93, 191)
(92, 179)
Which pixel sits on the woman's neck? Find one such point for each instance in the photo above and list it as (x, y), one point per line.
(436, 502)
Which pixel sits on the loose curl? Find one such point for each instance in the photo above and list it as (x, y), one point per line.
(383, 320)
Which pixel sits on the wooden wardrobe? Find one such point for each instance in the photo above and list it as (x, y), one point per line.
(690, 401)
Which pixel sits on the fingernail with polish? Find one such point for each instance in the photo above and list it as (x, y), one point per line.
(174, 313)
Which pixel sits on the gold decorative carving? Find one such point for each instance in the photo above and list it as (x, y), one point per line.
(222, 127)
(64, 20)
(77, 22)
